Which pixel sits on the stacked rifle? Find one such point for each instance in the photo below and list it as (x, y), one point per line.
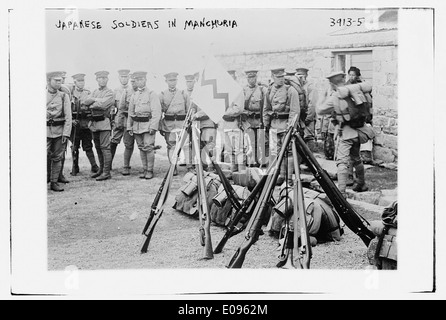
(296, 249)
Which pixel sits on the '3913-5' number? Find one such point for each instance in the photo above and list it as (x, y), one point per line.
(346, 22)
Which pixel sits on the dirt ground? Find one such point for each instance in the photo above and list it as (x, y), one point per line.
(98, 225)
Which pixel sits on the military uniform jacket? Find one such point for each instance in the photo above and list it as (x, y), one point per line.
(144, 103)
(123, 107)
(58, 108)
(329, 105)
(103, 101)
(233, 112)
(205, 121)
(81, 112)
(173, 103)
(254, 99)
(311, 96)
(280, 107)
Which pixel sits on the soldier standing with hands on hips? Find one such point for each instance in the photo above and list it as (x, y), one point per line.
(100, 103)
(143, 121)
(58, 127)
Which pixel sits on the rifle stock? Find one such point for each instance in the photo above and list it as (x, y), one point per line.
(239, 214)
(232, 195)
(257, 218)
(302, 254)
(157, 207)
(350, 217)
(203, 208)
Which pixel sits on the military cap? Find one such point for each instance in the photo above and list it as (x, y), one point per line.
(54, 74)
(290, 72)
(78, 76)
(124, 72)
(278, 72)
(64, 74)
(302, 70)
(190, 77)
(334, 74)
(139, 74)
(102, 74)
(251, 73)
(171, 75)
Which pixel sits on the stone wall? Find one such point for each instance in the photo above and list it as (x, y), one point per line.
(320, 60)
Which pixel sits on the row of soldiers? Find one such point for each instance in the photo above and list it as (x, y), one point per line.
(133, 112)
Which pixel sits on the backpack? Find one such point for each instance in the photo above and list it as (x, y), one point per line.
(382, 250)
(186, 199)
(359, 105)
(322, 221)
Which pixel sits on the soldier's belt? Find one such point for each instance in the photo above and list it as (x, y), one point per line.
(55, 123)
(82, 115)
(141, 118)
(203, 118)
(177, 117)
(254, 115)
(97, 118)
(230, 118)
(276, 115)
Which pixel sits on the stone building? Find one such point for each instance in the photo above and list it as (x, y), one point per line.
(373, 51)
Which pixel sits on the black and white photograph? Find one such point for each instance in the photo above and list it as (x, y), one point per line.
(183, 142)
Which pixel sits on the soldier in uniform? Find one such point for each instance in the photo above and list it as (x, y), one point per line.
(309, 108)
(58, 127)
(118, 128)
(122, 100)
(81, 132)
(253, 120)
(231, 125)
(280, 107)
(100, 103)
(175, 104)
(348, 139)
(208, 129)
(143, 121)
(68, 89)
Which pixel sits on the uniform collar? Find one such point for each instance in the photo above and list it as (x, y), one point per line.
(142, 89)
(172, 90)
(50, 90)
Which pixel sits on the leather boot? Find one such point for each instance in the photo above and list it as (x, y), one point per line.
(55, 172)
(290, 164)
(282, 174)
(101, 164)
(90, 156)
(127, 156)
(169, 155)
(107, 166)
(75, 167)
(360, 174)
(150, 156)
(143, 155)
(113, 147)
(62, 178)
(48, 169)
(342, 178)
